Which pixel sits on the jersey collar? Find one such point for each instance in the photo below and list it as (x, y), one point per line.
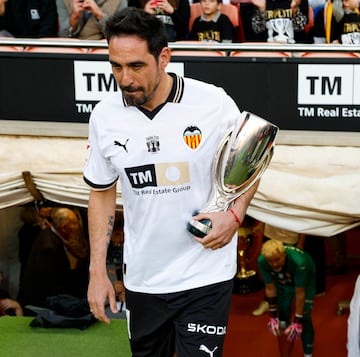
(175, 96)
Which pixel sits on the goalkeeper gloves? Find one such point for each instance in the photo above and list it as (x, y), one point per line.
(294, 331)
(273, 326)
(273, 323)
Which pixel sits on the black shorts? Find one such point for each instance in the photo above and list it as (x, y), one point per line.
(189, 323)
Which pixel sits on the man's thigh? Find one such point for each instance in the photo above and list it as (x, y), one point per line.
(191, 322)
(201, 326)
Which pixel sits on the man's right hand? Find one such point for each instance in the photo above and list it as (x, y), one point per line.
(99, 292)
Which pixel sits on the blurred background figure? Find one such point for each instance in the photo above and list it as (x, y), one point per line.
(212, 25)
(85, 19)
(347, 17)
(281, 21)
(115, 259)
(35, 218)
(8, 306)
(28, 18)
(49, 270)
(175, 15)
(289, 277)
(286, 237)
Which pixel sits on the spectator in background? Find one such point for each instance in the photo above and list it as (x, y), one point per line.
(281, 20)
(8, 306)
(28, 18)
(212, 25)
(347, 25)
(48, 271)
(35, 218)
(77, 250)
(85, 19)
(115, 259)
(175, 15)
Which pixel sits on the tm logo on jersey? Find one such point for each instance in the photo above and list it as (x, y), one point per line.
(161, 174)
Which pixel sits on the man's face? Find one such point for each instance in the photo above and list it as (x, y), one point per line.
(276, 261)
(71, 229)
(136, 71)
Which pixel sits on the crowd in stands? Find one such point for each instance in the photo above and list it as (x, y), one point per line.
(278, 21)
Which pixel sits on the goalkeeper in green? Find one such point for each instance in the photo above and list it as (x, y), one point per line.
(289, 274)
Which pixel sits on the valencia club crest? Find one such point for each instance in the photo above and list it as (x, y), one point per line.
(192, 137)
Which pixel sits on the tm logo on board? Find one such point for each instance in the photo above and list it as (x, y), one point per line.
(328, 84)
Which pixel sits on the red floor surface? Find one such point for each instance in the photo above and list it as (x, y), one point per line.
(248, 335)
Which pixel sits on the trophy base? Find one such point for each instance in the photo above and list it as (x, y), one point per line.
(247, 285)
(245, 274)
(199, 228)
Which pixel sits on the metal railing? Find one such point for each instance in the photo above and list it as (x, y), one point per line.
(191, 46)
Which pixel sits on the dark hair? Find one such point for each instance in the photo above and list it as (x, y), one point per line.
(134, 21)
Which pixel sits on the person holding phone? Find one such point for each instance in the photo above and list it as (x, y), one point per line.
(86, 19)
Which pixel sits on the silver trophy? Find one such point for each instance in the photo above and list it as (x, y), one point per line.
(240, 160)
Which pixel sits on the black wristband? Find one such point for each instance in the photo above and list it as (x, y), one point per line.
(298, 319)
(272, 300)
(274, 313)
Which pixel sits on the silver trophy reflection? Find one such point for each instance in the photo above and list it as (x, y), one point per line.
(240, 160)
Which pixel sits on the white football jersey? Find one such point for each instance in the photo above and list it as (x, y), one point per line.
(165, 168)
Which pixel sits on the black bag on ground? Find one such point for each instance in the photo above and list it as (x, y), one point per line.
(64, 311)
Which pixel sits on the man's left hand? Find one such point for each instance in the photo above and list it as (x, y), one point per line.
(223, 229)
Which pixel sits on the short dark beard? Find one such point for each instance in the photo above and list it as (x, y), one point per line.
(131, 100)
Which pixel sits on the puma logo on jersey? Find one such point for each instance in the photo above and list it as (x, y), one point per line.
(205, 349)
(121, 145)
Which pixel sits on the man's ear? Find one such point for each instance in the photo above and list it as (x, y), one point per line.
(164, 57)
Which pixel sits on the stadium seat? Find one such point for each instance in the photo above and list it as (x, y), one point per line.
(104, 51)
(10, 48)
(203, 53)
(254, 53)
(330, 54)
(57, 49)
(7, 48)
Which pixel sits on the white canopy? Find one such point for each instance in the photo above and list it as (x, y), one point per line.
(309, 189)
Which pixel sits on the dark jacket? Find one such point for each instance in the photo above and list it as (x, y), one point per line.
(30, 18)
(47, 271)
(180, 17)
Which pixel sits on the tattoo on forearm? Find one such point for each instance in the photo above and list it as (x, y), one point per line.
(110, 227)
